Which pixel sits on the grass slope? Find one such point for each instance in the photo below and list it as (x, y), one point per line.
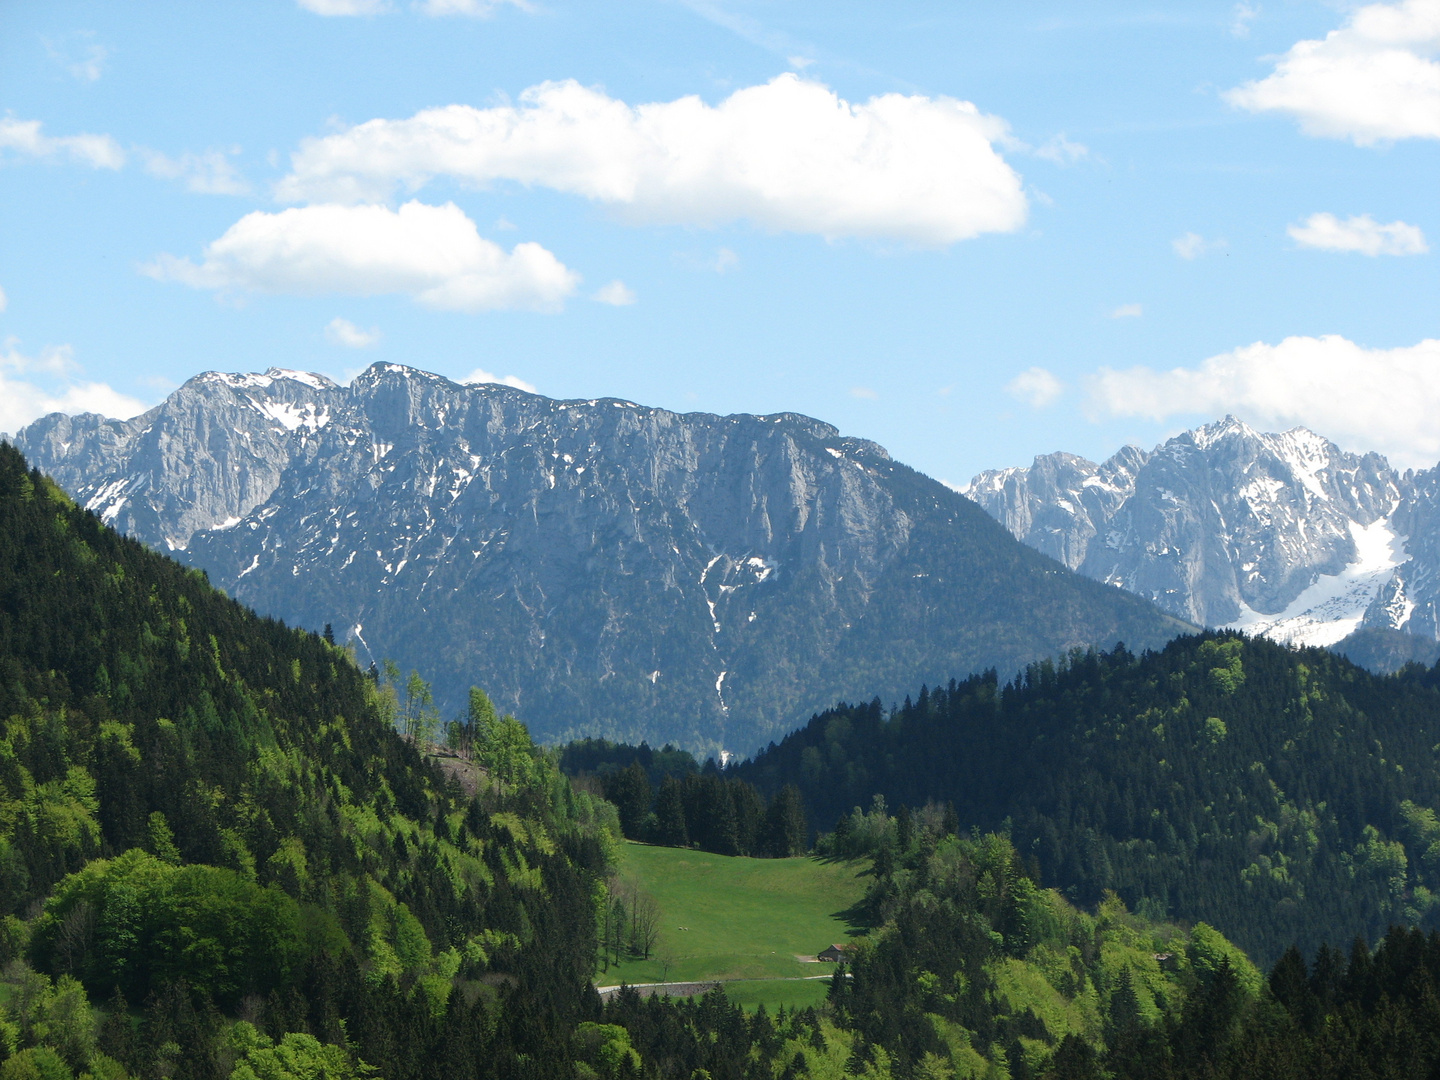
(744, 918)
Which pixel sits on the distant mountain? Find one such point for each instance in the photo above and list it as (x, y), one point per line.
(601, 567)
(1285, 535)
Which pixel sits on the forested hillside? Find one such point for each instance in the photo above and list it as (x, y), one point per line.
(222, 860)
(1284, 796)
(207, 817)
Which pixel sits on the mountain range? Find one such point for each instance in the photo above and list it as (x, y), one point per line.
(600, 567)
(1286, 534)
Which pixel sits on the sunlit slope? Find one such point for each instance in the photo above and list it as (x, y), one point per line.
(742, 918)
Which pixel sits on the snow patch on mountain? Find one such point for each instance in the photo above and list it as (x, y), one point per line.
(1334, 606)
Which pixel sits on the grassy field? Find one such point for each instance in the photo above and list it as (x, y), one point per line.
(732, 918)
(773, 993)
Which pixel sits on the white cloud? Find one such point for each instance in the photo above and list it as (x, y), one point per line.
(788, 155)
(480, 375)
(1379, 399)
(1128, 311)
(726, 260)
(476, 9)
(432, 253)
(1364, 234)
(210, 173)
(1241, 18)
(25, 137)
(616, 293)
(22, 400)
(1193, 245)
(345, 7)
(4, 300)
(864, 393)
(1373, 80)
(87, 67)
(1062, 151)
(340, 331)
(1036, 386)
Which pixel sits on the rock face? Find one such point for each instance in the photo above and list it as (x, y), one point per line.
(600, 567)
(1286, 535)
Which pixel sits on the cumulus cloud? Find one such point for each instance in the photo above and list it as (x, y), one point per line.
(26, 137)
(1193, 245)
(1379, 399)
(1373, 80)
(788, 155)
(617, 293)
(210, 173)
(1035, 386)
(431, 253)
(480, 375)
(1128, 311)
(1364, 234)
(23, 399)
(340, 331)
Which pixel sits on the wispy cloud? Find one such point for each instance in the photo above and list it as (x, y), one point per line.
(210, 173)
(85, 62)
(1363, 234)
(480, 375)
(864, 393)
(616, 294)
(26, 137)
(340, 331)
(1062, 151)
(1036, 387)
(1128, 311)
(1241, 17)
(1193, 245)
(475, 9)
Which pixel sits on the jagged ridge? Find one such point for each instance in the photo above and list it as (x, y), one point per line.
(602, 567)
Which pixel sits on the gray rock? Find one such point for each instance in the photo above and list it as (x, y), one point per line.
(600, 567)
(1286, 533)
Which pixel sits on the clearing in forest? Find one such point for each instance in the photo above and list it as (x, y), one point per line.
(738, 918)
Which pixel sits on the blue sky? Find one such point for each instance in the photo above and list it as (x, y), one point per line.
(973, 232)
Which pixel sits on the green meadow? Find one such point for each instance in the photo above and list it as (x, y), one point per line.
(737, 918)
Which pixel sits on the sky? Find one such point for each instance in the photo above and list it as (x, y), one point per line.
(971, 231)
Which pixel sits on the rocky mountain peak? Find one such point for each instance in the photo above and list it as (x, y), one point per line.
(602, 567)
(1285, 534)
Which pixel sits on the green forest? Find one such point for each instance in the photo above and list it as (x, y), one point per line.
(1287, 797)
(228, 852)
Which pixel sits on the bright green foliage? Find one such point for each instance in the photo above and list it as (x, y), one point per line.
(297, 1056)
(36, 1063)
(154, 922)
(604, 1051)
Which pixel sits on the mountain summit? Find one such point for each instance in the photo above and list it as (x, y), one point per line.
(601, 567)
(1282, 534)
